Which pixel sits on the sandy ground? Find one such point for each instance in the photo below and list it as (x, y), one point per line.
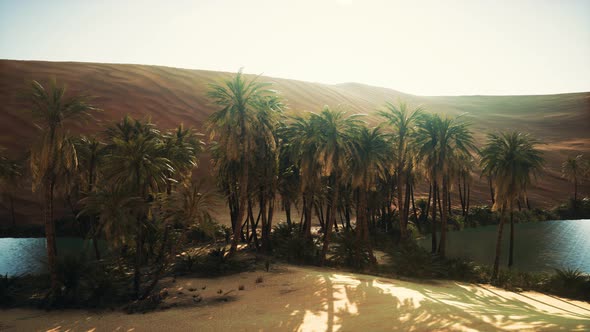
(304, 299)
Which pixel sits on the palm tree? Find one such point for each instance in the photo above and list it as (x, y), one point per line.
(139, 162)
(11, 172)
(182, 147)
(403, 121)
(334, 149)
(464, 167)
(236, 125)
(369, 159)
(91, 153)
(441, 141)
(192, 204)
(512, 159)
(301, 138)
(573, 169)
(54, 152)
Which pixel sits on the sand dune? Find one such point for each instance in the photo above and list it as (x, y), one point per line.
(170, 96)
(304, 299)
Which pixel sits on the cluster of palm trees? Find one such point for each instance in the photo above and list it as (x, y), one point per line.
(130, 182)
(331, 162)
(133, 180)
(576, 169)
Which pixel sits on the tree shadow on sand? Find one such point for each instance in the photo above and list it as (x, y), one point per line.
(371, 304)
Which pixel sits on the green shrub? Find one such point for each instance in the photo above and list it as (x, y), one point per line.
(410, 260)
(348, 252)
(290, 245)
(570, 283)
(211, 264)
(7, 290)
(461, 269)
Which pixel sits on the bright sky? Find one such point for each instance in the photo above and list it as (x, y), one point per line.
(419, 47)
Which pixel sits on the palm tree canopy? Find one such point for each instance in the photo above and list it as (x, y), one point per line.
(51, 107)
(248, 110)
(336, 131)
(513, 160)
(574, 169)
(440, 141)
(370, 156)
(403, 121)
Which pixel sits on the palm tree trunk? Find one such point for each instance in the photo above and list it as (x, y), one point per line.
(468, 198)
(50, 236)
(434, 190)
(444, 217)
(307, 206)
(287, 207)
(461, 196)
(407, 208)
(449, 210)
(400, 204)
(414, 209)
(138, 258)
(271, 209)
(440, 204)
(330, 219)
(241, 207)
(499, 243)
(95, 242)
(319, 211)
(511, 248)
(429, 199)
(491, 190)
(347, 215)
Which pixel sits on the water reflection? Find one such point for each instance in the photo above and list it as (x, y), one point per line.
(20, 256)
(538, 246)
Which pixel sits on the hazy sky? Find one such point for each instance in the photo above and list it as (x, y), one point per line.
(420, 47)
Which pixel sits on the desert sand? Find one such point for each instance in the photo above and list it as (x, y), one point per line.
(305, 299)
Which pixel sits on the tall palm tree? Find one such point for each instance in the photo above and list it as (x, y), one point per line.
(573, 170)
(91, 153)
(301, 137)
(512, 159)
(441, 141)
(403, 120)
(53, 153)
(334, 149)
(140, 164)
(236, 125)
(369, 159)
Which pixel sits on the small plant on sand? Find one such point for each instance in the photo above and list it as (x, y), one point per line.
(259, 279)
(571, 283)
